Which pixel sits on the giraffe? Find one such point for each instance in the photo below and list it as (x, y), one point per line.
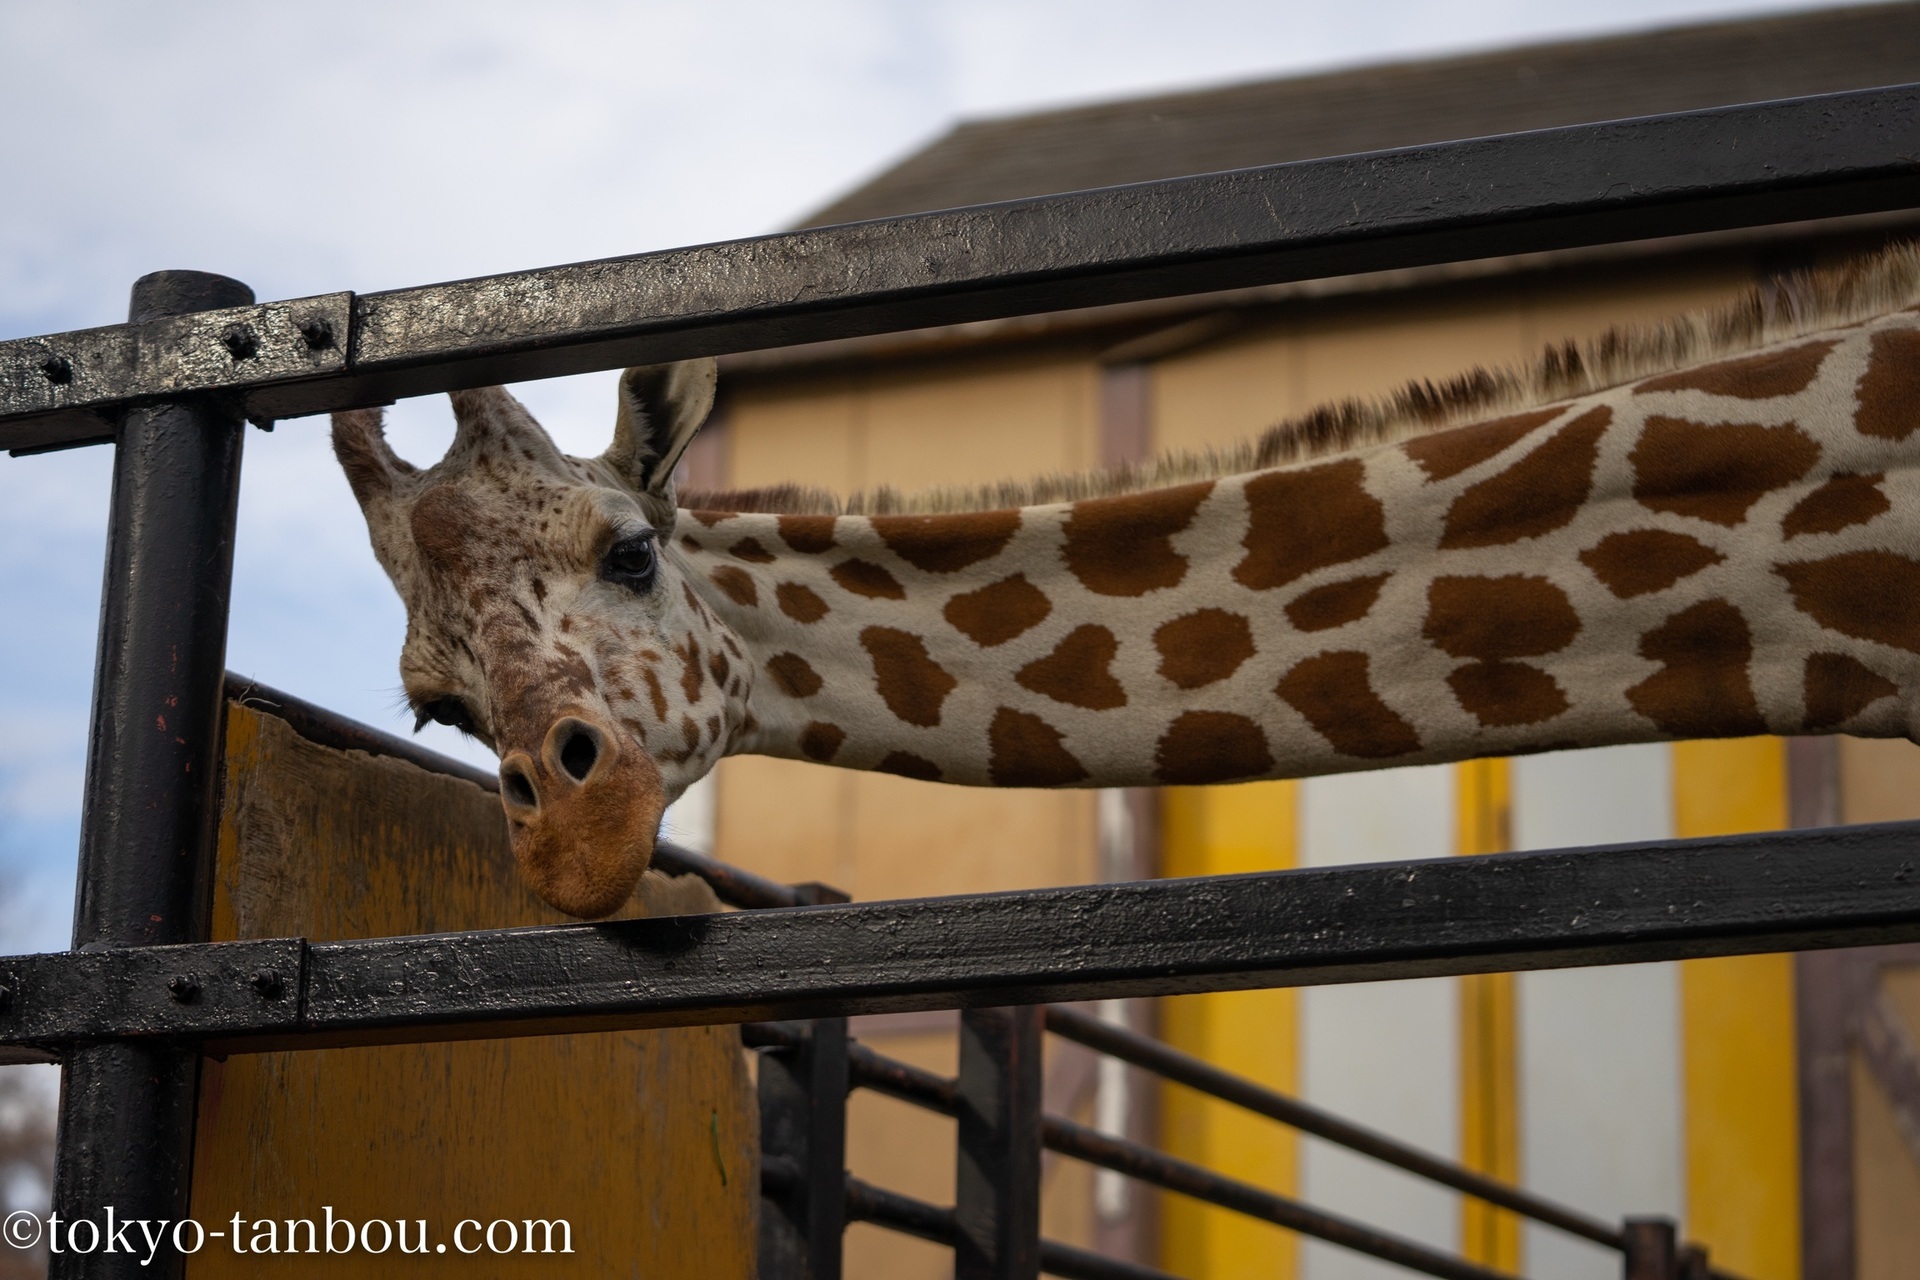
(1708, 528)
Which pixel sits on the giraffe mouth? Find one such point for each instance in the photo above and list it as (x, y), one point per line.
(583, 813)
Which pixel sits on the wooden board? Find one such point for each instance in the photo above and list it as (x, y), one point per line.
(646, 1143)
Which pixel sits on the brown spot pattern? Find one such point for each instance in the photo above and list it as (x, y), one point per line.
(1536, 495)
(910, 682)
(1335, 694)
(1123, 546)
(750, 550)
(1646, 560)
(1840, 688)
(737, 584)
(1890, 391)
(718, 667)
(655, 694)
(1870, 595)
(998, 612)
(442, 521)
(909, 765)
(1076, 672)
(864, 578)
(1202, 747)
(1335, 604)
(1201, 647)
(947, 543)
(1756, 377)
(712, 518)
(801, 603)
(1493, 619)
(1840, 503)
(809, 535)
(1703, 689)
(1025, 751)
(821, 741)
(691, 679)
(794, 675)
(1716, 472)
(1504, 694)
(1447, 453)
(1302, 520)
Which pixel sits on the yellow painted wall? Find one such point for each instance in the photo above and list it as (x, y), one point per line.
(1737, 1037)
(1220, 831)
(1489, 1044)
(647, 1142)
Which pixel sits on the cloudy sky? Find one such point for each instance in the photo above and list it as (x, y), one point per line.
(353, 145)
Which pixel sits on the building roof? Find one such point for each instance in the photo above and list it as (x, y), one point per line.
(1364, 109)
(1396, 105)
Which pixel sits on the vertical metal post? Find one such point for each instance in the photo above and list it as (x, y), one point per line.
(153, 758)
(803, 1154)
(1652, 1251)
(1829, 988)
(997, 1179)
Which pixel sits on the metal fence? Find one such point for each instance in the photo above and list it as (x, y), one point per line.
(142, 993)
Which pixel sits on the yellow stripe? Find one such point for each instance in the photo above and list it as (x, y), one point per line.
(1489, 1055)
(1737, 1037)
(1218, 831)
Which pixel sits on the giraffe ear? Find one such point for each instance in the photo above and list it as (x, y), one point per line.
(372, 467)
(661, 409)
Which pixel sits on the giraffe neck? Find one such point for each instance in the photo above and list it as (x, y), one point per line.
(1728, 550)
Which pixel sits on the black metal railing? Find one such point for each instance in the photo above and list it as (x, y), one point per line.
(1648, 1247)
(170, 386)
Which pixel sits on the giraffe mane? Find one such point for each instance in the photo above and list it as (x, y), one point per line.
(1789, 307)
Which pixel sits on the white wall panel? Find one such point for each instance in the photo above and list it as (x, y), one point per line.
(1600, 1118)
(1385, 1054)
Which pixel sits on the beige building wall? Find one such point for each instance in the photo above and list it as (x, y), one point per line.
(1372, 344)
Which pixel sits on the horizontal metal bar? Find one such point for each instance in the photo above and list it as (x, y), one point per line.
(936, 1093)
(329, 728)
(1844, 886)
(773, 1035)
(868, 1203)
(1751, 165)
(1138, 1161)
(870, 1070)
(1170, 1064)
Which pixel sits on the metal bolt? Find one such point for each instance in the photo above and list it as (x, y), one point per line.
(267, 983)
(318, 331)
(183, 987)
(59, 370)
(240, 342)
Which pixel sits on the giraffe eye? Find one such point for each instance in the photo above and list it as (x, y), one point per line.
(447, 711)
(632, 562)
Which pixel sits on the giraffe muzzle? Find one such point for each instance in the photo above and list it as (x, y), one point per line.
(582, 813)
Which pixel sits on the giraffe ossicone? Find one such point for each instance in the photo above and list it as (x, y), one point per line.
(1705, 529)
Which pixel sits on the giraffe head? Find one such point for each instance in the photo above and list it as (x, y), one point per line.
(548, 616)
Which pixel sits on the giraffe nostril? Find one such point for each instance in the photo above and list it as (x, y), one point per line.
(578, 753)
(519, 788)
